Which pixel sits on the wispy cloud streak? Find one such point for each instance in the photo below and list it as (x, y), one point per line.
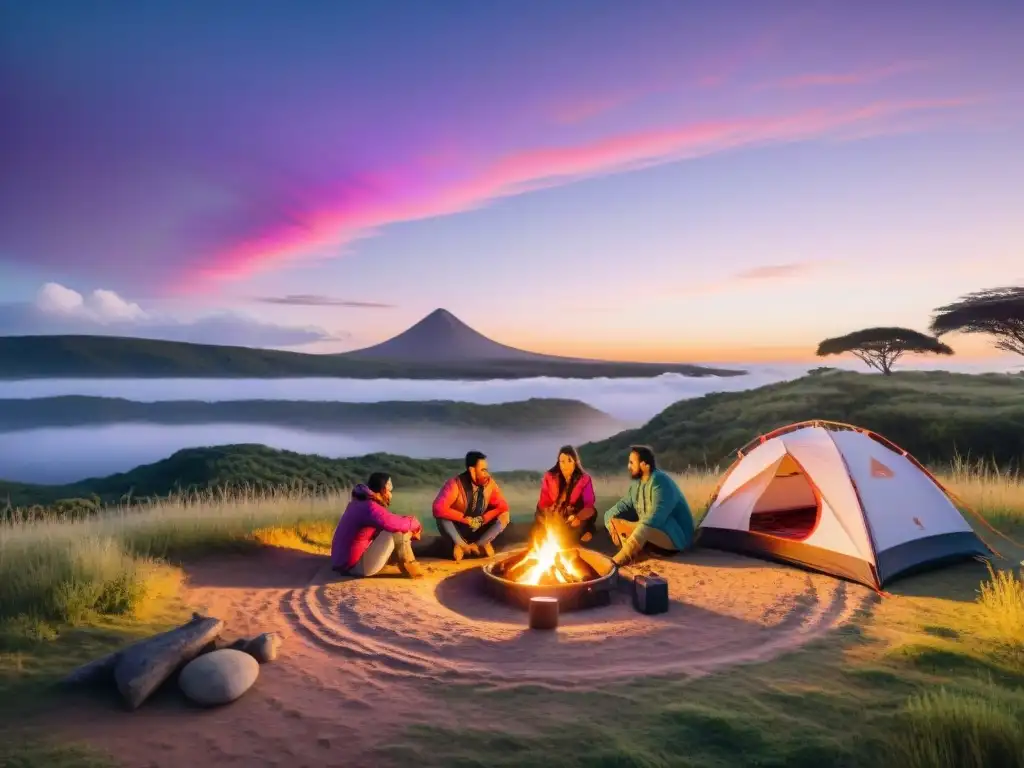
(857, 77)
(412, 198)
(315, 300)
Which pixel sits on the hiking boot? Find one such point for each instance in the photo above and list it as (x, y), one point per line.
(488, 549)
(411, 569)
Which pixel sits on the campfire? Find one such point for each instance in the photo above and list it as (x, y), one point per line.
(548, 561)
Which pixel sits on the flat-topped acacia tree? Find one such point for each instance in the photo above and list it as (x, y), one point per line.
(996, 312)
(879, 348)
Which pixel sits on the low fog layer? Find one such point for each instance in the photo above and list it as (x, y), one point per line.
(631, 400)
(57, 456)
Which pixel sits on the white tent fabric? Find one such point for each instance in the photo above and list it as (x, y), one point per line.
(900, 501)
(836, 499)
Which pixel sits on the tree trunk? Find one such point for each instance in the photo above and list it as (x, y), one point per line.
(144, 667)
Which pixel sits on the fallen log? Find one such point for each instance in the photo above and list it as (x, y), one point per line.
(95, 672)
(101, 671)
(143, 667)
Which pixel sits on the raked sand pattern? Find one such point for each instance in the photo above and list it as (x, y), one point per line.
(361, 654)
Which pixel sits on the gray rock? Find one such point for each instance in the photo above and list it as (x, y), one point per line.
(141, 667)
(218, 677)
(264, 647)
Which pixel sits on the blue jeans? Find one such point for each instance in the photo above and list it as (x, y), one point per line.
(462, 534)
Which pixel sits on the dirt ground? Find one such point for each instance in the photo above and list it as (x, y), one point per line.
(362, 657)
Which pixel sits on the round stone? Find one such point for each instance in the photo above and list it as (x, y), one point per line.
(218, 677)
(264, 647)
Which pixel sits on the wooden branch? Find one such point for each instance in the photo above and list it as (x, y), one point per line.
(140, 668)
(144, 667)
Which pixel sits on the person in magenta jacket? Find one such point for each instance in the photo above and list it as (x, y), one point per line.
(368, 534)
(567, 493)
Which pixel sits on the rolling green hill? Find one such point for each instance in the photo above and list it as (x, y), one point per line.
(535, 414)
(25, 357)
(936, 416)
(233, 467)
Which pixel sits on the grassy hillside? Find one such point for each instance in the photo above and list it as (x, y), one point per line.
(928, 678)
(232, 468)
(532, 415)
(24, 357)
(936, 416)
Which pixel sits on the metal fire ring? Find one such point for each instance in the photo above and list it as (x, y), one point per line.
(579, 595)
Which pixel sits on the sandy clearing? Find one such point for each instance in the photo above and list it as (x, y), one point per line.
(359, 655)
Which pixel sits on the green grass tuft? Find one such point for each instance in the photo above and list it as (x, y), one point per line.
(946, 729)
(19, 754)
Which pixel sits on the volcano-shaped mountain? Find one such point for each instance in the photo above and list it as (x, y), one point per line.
(440, 346)
(441, 337)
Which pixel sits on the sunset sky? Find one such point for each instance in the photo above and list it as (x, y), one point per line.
(719, 181)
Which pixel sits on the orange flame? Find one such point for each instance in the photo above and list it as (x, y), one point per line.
(545, 554)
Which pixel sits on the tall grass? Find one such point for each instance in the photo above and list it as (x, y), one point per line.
(1002, 602)
(64, 569)
(945, 729)
(987, 488)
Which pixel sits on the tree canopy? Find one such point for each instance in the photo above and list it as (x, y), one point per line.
(879, 348)
(996, 312)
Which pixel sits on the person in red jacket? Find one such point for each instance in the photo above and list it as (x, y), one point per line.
(470, 509)
(567, 494)
(368, 536)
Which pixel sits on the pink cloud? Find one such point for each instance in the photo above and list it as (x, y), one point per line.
(395, 198)
(861, 77)
(579, 112)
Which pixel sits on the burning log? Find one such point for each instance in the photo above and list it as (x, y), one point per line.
(590, 571)
(561, 572)
(547, 561)
(517, 571)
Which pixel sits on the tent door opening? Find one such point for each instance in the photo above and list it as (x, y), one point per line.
(789, 507)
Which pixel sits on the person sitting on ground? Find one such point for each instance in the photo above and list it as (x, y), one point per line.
(470, 509)
(567, 494)
(653, 515)
(369, 536)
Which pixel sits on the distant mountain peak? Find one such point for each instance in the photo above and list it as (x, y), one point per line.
(442, 317)
(443, 337)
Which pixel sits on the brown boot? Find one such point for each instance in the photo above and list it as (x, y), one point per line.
(488, 549)
(411, 569)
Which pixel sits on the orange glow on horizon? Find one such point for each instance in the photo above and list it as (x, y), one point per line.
(967, 349)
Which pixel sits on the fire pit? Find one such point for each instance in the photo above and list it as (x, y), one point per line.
(575, 576)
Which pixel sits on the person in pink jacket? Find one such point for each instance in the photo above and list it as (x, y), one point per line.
(567, 494)
(368, 535)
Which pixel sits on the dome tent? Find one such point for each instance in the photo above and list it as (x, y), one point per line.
(837, 499)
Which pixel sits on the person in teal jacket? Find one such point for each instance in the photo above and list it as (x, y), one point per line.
(653, 513)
